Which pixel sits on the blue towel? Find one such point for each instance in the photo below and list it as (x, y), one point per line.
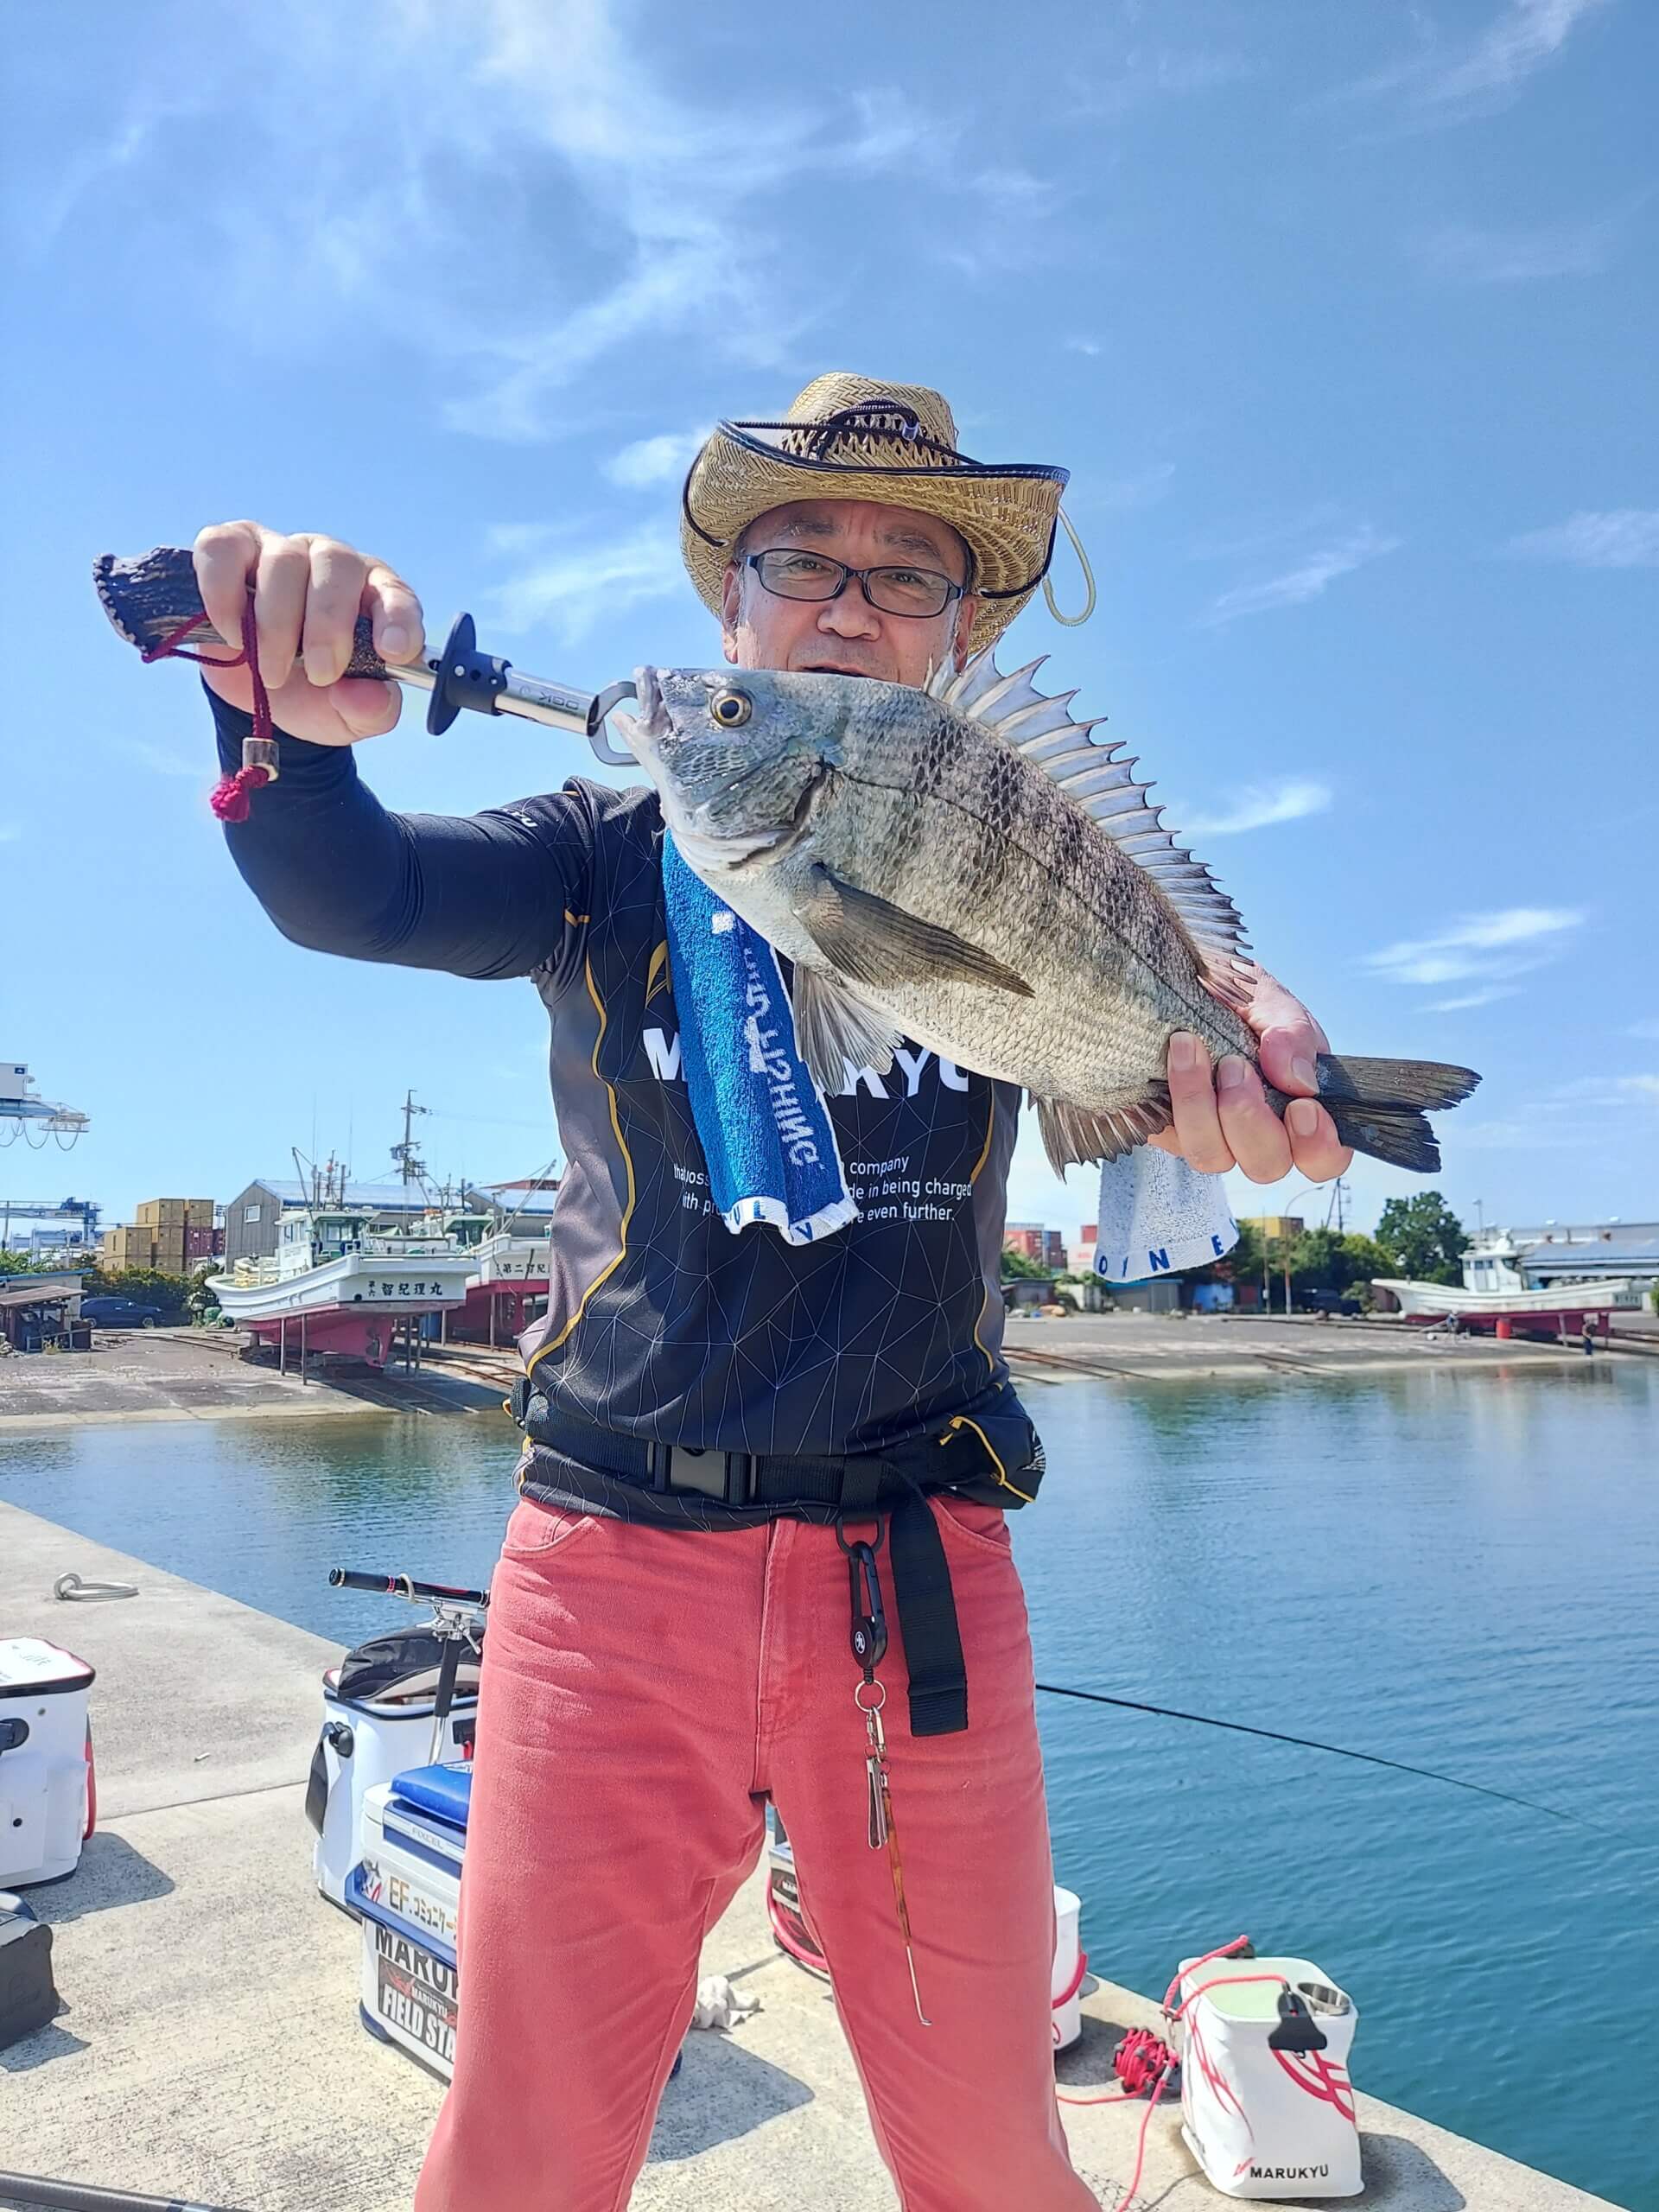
(766, 1135)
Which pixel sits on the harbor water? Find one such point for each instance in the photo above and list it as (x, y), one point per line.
(1454, 1570)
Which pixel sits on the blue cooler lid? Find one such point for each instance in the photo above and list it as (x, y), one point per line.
(442, 1793)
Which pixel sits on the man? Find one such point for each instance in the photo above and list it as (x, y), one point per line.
(713, 1420)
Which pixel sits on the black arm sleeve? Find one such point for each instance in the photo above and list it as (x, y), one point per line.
(483, 895)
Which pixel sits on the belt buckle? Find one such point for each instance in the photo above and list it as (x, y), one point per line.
(727, 1477)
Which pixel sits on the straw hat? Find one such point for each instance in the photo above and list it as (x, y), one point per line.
(850, 437)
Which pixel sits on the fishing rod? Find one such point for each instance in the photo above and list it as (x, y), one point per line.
(1307, 1744)
(32, 2193)
(154, 604)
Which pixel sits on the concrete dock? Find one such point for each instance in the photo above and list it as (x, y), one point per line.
(210, 2047)
(200, 1374)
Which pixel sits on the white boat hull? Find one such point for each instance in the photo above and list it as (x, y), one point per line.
(362, 1281)
(1564, 1305)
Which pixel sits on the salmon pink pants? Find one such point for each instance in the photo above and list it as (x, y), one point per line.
(644, 1690)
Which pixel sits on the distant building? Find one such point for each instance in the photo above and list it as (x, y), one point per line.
(529, 1200)
(1032, 1241)
(1274, 1228)
(172, 1235)
(1538, 1258)
(1082, 1253)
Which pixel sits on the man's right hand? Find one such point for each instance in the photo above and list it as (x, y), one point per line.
(308, 591)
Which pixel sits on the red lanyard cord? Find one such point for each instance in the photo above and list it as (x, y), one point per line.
(229, 795)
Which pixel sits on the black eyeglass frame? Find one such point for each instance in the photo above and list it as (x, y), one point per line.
(952, 591)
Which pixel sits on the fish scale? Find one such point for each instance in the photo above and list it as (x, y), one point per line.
(966, 867)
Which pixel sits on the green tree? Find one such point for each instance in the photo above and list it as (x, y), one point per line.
(1015, 1263)
(1317, 1260)
(147, 1286)
(1422, 1238)
(1364, 1259)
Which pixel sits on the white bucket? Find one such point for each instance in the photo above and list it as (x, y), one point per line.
(1070, 1966)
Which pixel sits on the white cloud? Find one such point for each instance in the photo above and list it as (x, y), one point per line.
(1620, 537)
(1140, 74)
(1119, 494)
(661, 459)
(1090, 346)
(162, 762)
(1647, 1028)
(1307, 580)
(1526, 35)
(1610, 1090)
(1468, 254)
(1481, 947)
(567, 592)
(1475, 998)
(1516, 1136)
(580, 197)
(1257, 806)
(1443, 84)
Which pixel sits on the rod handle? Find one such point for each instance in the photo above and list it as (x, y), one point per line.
(148, 598)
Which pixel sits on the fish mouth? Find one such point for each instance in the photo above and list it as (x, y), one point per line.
(652, 720)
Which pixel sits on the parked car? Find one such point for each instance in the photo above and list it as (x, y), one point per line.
(111, 1312)
(1328, 1302)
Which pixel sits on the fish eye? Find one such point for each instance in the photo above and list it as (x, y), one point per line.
(731, 709)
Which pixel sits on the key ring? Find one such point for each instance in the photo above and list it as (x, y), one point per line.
(881, 1699)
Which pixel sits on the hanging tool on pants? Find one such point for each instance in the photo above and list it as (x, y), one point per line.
(869, 1642)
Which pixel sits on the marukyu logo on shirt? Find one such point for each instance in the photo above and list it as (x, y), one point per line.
(910, 1068)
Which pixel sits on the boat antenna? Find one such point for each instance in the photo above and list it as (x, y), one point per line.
(309, 1204)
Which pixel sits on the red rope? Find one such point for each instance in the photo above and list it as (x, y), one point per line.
(230, 797)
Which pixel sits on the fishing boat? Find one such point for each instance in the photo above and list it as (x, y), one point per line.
(514, 1251)
(1562, 1309)
(348, 1280)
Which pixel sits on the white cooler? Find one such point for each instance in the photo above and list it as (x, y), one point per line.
(48, 1790)
(405, 1889)
(378, 1708)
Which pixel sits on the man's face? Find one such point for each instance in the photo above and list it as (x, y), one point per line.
(847, 634)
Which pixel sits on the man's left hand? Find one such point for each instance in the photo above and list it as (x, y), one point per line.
(1221, 1118)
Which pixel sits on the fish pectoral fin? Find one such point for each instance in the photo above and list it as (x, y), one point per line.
(1073, 1136)
(834, 1030)
(870, 941)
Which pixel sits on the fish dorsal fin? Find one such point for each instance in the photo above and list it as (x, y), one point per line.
(1098, 777)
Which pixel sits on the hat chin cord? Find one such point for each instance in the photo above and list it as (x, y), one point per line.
(1072, 621)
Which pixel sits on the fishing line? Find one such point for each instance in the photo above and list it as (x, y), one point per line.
(1307, 1744)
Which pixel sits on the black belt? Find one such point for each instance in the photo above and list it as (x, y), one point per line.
(742, 1487)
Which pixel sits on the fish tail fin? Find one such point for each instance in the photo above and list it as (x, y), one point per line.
(1394, 1085)
(1379, 1105)
(1403, 1138)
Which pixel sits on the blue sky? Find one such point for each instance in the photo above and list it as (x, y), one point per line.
(1343, 317)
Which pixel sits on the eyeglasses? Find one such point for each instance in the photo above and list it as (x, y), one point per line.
(789, 574)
